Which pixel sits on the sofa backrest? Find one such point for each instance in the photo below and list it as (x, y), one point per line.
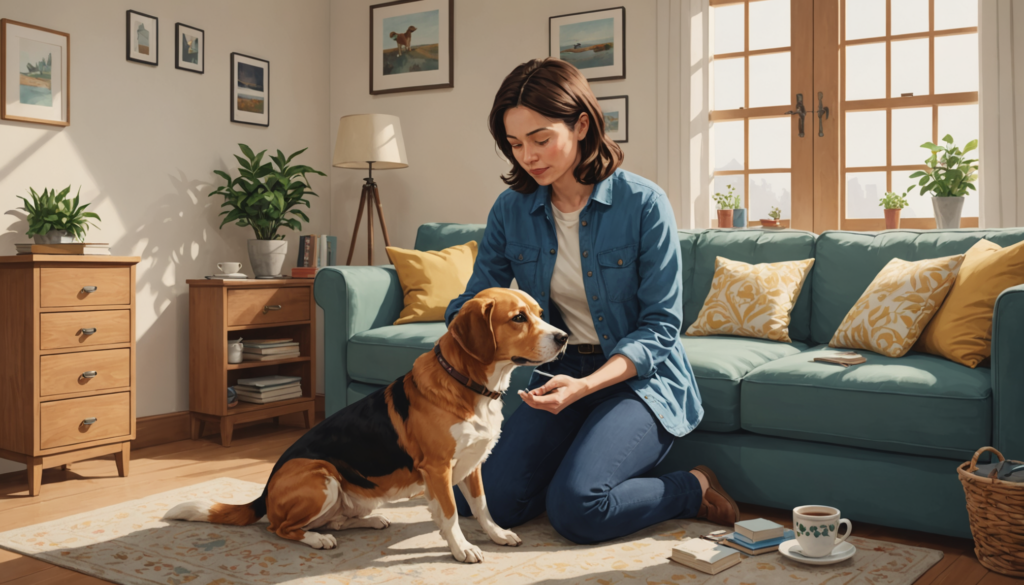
(438, 236)
(847, 262)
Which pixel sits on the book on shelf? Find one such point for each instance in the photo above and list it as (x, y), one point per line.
(274, 349)
(269, 342)
(256, 357)
(76, 249)
(705, 555)
(258, 390)
(269, 393)
(267, 381)
(841, 358)
(266, 400)
(743, 544)
(758, 529)
(304, 272)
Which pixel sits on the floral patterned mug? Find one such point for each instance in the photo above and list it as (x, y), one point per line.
(816, 528)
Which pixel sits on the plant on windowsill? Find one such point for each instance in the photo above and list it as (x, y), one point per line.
(775, 214)
(893, 203)
(55, 219)
(949, 178)
(727, 203)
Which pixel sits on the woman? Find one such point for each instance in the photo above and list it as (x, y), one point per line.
(600, 244)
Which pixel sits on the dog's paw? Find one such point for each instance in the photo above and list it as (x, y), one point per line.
(505, 537)
(378, 521)
(317, 540)
(468, 553)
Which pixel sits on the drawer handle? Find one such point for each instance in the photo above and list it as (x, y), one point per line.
(89, 289)
(89, 421)
(89, 374)
(271, 308)
(88, 330)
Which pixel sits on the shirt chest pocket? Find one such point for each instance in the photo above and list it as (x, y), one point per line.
(523, 258)
(620, 272)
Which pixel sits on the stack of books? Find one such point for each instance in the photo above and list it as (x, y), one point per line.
(77, 249)
(704, 555)
(757, 537)
(267, 389)
(264, 350)
(315, 252)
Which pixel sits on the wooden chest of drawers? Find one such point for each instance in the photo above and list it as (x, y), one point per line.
(67, 367)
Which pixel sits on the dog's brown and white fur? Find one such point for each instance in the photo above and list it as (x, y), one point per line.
(404, 39)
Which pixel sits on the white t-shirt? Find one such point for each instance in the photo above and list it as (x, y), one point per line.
(567, 280)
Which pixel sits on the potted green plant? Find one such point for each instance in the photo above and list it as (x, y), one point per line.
(949, 178)
(55, 219)
(727, 202)
(893, 203)
(775, 214)
(266, 199)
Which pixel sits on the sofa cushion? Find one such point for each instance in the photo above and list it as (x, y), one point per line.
(918, 404)
(380, 355)
(438, 236)
(719, 363)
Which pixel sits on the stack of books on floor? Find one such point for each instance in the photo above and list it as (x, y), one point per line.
(264, 350)
(77, 249)
(758, 536)
(267, 389)
(704, 555)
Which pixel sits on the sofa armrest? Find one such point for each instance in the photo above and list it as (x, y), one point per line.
(354, 299)
(1008, 372)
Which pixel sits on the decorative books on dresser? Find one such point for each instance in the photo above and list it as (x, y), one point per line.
(67, 369)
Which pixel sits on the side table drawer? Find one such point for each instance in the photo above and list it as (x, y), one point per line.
(65, 373)
(60, 330)
(257, 306)
(63, 422)
(70, 286)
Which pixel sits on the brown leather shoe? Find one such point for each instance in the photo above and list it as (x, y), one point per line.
(717, 506)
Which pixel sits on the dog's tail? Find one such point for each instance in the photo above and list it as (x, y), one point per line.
(393, 35)
(207, 511)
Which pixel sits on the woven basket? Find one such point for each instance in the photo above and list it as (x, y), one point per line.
(996, 511)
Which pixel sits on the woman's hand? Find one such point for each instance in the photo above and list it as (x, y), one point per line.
(558, 393)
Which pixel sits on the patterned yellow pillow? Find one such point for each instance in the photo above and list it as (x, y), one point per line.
(898, 304)
(751, 300)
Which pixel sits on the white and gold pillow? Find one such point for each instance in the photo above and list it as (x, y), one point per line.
(751, 300)
(898, 304)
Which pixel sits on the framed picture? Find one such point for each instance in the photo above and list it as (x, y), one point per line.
(616, 117)
(35, 74)
(189, 48)
(250, 90)
(411, 45)
(595, 42)
(143, 40)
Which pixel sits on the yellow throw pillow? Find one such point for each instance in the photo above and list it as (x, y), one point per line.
(890, 315)
(961, 331)
(431, 280)
(751, 300)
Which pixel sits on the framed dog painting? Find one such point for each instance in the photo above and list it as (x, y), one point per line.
(616, 117)
(411, 45)
(595, 42)
(143, 42)
(34, 74)
(250, 90)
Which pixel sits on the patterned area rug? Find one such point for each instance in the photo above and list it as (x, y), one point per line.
(129, 543)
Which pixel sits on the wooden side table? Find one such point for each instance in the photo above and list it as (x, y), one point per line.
(250, 309)
(67, 369)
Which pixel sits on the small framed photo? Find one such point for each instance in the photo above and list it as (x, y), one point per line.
(250, 90)
(35, 74)
(411, 45)
(189, 48)
(616, 117)
(595, 42)
(143, 42)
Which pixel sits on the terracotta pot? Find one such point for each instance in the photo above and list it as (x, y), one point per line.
(725, 218)
(892, 219)
(769, 223)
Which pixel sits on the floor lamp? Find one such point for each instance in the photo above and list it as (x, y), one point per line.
(369, 141)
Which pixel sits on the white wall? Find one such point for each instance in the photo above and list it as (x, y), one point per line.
(144, 140)
(453, 164)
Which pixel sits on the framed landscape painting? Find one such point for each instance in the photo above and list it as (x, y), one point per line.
(250, 90)
(143, 42)
(616, 117)
(34, 74)
(189, 48)
(411, 45)
(595, 42)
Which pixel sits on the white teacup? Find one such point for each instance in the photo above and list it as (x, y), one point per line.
(229, 267)
(816, 529)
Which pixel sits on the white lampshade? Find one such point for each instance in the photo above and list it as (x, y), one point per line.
(366, 138)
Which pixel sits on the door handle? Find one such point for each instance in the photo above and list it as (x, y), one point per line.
(90, 289)
(822, 111)
(800, 111)
(88, 330)
(271, 308)
(90, 421)
(90, 374)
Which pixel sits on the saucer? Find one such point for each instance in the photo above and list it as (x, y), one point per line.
(841, 552)
(231, 275)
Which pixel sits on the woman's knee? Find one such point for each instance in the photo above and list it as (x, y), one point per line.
(577, 516)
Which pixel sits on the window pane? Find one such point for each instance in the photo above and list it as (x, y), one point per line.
(769, 80)
(920, 206)
(767, 191)
(865, 19)
(956, 63)
(863, 192)
(728, 28)
(769, 24)
(911, 127)
(955, 14)
(909, 16)
(910, 67)
(865, 139)
(961, 122)
(728, 137)
(722, 186)
(865, 71)
(728, 80)
(770, 143)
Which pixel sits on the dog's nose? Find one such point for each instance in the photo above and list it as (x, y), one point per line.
(561, 338)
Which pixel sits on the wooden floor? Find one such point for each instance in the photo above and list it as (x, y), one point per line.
(95, 484)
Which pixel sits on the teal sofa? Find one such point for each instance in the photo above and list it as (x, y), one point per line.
(881, 440)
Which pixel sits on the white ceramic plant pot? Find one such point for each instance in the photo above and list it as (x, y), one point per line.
(54, 237)
(267, 257)
(947, 212)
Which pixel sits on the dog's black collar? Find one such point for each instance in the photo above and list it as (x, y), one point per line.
(462, 378)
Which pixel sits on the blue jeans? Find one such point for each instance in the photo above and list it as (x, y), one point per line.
(585, 464)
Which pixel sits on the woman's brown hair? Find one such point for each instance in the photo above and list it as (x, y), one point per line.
(554, 89)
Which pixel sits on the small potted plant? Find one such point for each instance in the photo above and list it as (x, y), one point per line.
(55, 219)
(774, 214)
(948, 179)
(893, 203)
(265, 199)
(727, 202)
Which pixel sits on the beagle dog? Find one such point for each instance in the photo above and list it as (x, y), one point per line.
(427, 431)
(404, 39)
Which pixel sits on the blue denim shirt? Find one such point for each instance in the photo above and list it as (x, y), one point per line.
(629, 242)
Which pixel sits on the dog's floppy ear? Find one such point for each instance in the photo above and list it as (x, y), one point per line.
(471, 328)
